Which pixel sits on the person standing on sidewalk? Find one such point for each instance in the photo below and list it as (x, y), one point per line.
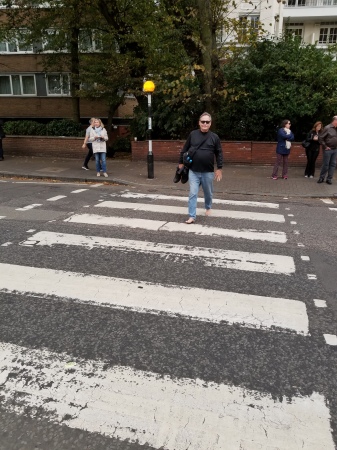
(98, 136)
(328, 140)
(313, 150)
(88, 145)
(2, 136)
(284, 138)
(201, 172)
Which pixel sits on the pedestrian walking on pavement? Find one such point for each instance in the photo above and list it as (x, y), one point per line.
(284, 138)
(207, 147)
(88, 145)
(2, 136)
(313, 150)
(98, 136)
(328, 140)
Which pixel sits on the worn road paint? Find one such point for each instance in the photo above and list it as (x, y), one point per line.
(251, 311)
(174, 227)
(247, 215)
(255, 262)
(158, 411)
(217, 201)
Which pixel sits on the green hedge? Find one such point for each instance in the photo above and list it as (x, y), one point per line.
(62, 127)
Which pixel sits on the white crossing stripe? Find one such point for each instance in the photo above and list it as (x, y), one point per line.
(181, 210)
(159, 225)
(78, 191)
(255, 262)
(26, 208)
(217, 201)
(320, 303)
(2, 217)
(333, 209)
(251, 311)
(158, 411)
(57, 197)
(327, 201)
(330, 339)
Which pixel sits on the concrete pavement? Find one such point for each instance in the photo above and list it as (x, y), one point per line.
(246, 180)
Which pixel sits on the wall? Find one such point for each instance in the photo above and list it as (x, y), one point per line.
(256, 153)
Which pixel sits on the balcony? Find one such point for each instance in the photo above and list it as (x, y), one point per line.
(312, 10)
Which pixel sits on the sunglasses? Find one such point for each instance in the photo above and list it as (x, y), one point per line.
(205, 121)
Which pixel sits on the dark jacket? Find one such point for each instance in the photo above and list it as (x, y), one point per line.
(282, 137)
(328, 137)
(203, 160)
(314, 144)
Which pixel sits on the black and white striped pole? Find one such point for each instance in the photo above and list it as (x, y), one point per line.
(148, 88)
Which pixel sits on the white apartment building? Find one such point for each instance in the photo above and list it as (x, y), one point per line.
(314, 20)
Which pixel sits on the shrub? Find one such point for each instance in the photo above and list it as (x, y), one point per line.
(24, 128)
(121, 144)
(64, 127)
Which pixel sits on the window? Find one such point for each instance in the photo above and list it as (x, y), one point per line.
(89, 41)
(248, 25)
(16, 45)
(17, 85)
(294, 29)
(58, 84)
(328, 33)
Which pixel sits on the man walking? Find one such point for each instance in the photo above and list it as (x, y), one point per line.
(328, 140)
(208, 147)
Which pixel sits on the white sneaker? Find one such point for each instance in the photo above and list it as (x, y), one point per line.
(98, 174)
(85, 168)
(311, 176)
(105, 174)
(305, 176)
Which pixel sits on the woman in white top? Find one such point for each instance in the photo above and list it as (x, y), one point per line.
(98, 137)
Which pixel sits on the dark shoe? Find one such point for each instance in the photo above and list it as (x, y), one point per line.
(184, 175)
(320, 180)
(1, 159)
(328, 181)
(177, 176)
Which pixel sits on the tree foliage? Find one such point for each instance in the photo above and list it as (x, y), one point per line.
(276, 80)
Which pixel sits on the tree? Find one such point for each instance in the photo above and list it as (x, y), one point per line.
(275, 80)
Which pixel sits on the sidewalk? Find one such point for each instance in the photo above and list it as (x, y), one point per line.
(246, 180)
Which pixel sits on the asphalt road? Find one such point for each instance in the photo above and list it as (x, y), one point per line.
(99, 297)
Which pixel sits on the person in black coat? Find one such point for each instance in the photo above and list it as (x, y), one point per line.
(313, 150)
(2, 135)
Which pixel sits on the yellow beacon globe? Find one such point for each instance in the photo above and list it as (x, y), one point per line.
(148, 86)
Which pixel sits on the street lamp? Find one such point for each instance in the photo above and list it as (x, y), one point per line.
(148, 88)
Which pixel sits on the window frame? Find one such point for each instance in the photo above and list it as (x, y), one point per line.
(59, 74)
(20, 75)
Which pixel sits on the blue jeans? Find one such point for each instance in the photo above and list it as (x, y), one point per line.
(197, 179)
(100, 157)
(329, 163)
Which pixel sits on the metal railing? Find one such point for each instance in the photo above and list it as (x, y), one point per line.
(310, 3)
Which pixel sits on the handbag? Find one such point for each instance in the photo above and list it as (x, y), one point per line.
(305, 143)
(189, 155)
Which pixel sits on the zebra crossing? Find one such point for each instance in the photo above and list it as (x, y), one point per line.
(136, 405)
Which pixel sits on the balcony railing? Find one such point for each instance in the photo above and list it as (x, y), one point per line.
(310, 3)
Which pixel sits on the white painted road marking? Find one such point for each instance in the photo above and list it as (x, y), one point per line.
(158, 411)
(182, 210)
(217, 201)
(208, 305)
(2, 217)
(330, 339)
(327, 201)
(26, 208)
(255, 262)
(173, 227)
(54, 199)
(78, 191)
(320, 303)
